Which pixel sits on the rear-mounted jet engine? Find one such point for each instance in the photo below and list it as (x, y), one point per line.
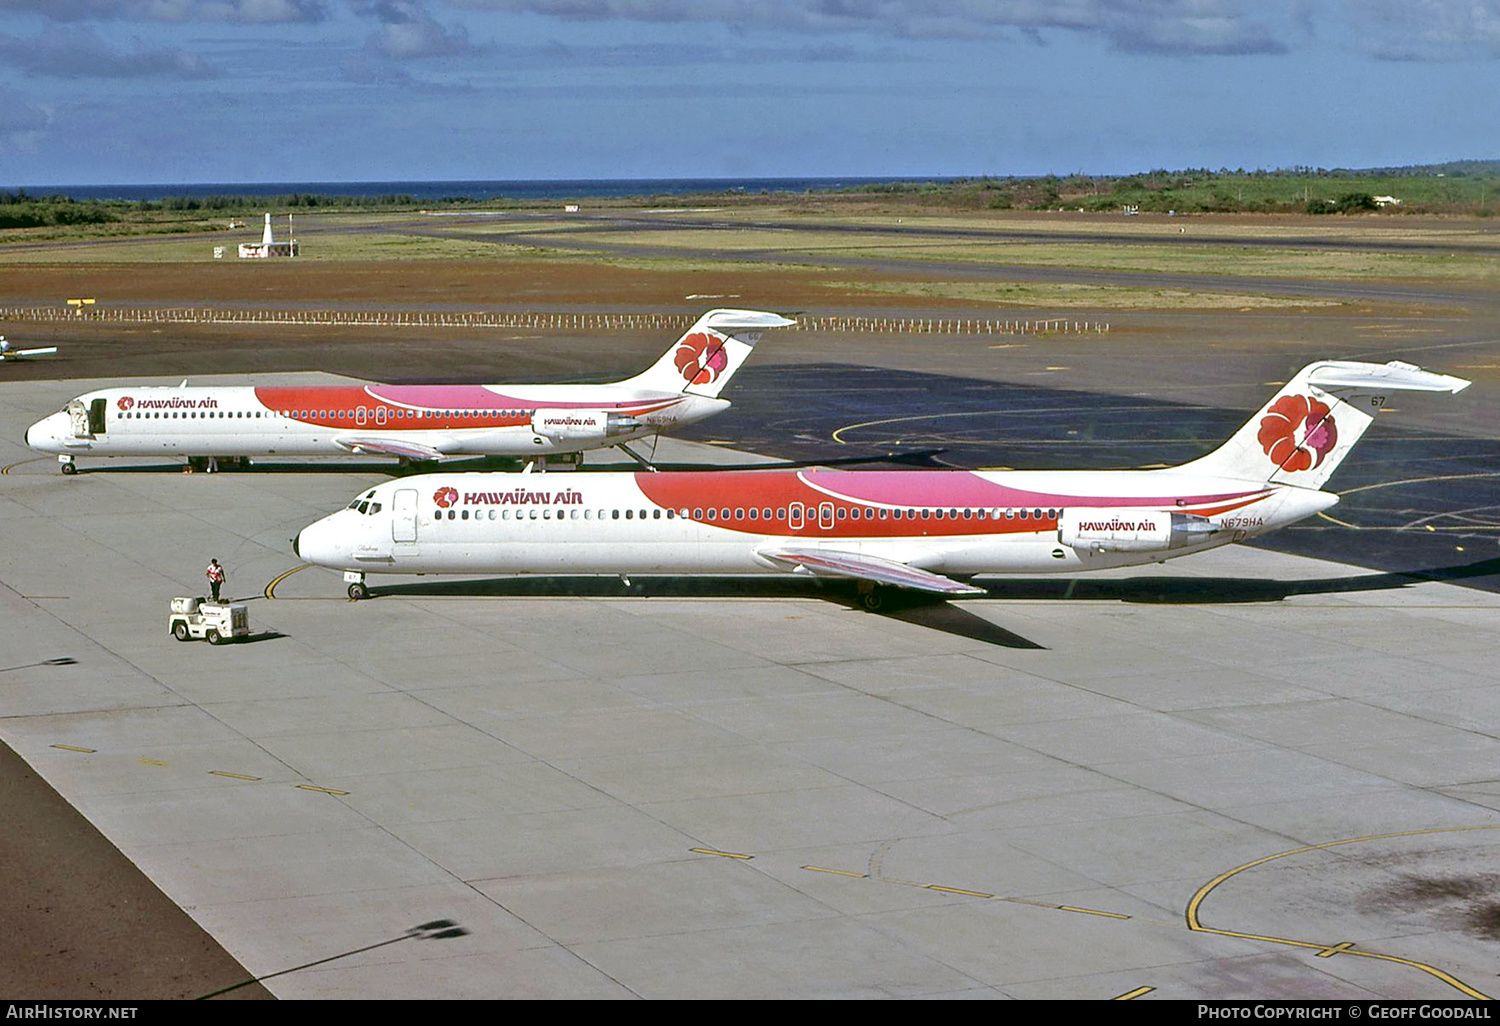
(1132, 530)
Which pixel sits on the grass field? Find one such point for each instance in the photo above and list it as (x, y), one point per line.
(325, 247)
(783, 240)
(1063, 296)
(1225, 259)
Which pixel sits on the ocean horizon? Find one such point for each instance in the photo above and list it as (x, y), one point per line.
(476, 190)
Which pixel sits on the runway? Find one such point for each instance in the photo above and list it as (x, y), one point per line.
(1249, 773)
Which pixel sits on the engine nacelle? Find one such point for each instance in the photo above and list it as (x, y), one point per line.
(1131, 530)
(576, 425)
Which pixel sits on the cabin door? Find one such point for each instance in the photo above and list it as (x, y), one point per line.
(404, 516)
(78, 418)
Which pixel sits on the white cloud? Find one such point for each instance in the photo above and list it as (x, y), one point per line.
(408, 32)
(77, 53)
(1425, 30)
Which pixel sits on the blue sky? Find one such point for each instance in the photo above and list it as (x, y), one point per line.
(124, 91)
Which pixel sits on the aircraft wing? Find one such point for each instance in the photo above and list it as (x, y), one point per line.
(833, 563)
(17, 354)
(390, 447)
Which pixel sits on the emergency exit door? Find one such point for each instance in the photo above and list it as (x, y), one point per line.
(404, 516)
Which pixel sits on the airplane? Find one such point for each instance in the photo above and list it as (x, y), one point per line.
(9, 353)
(409, 422)
(922, 530)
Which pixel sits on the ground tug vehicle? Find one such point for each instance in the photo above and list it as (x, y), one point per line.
(201, 618)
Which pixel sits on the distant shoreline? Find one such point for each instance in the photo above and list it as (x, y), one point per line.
(477, 190)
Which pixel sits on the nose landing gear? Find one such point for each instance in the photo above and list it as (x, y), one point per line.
(357, 588)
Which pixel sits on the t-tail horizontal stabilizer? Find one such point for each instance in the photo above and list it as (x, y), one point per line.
(1305, 431)
(704, 359)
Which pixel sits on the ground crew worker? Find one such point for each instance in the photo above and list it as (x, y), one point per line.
(215, 575)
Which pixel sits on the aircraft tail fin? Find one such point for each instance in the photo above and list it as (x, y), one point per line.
(707, 356)
(1305, 431)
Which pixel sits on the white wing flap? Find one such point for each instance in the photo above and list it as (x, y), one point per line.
(833, 563)
(391, 447)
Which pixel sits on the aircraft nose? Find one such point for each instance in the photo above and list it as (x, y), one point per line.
(321, 544)
(43, 435)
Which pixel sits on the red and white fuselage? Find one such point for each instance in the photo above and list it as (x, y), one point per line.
(417, 422)
(414, 421)
(911, 529)
(743, 522)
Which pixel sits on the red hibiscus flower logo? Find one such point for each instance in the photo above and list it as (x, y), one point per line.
(445, 497)
(125, 402)
(701, 358)
(1297, 432)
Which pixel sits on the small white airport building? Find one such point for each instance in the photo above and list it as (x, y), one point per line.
(269, 247)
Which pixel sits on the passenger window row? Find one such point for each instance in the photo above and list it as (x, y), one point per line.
(546, 513)
(401, 414)
(321, 414)
(810, 514)
(188, 414)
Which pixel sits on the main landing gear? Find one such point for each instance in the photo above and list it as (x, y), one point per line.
(873, 597)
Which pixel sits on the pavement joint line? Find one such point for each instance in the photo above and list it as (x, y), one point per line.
(1092, 912)
(971, 894)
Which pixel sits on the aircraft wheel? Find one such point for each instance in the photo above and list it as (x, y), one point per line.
(213, 636)
(873, 600)
(68, 468)
(358, 591)
(180, 631)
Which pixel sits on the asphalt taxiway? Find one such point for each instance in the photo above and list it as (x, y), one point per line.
(1248, 773)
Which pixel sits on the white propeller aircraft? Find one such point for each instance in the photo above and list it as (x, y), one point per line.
(9, 352)
(908, 529)
(411, 422)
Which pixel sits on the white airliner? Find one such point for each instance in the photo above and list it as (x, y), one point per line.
(9, 352)
(908, 529)
(412, 422)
